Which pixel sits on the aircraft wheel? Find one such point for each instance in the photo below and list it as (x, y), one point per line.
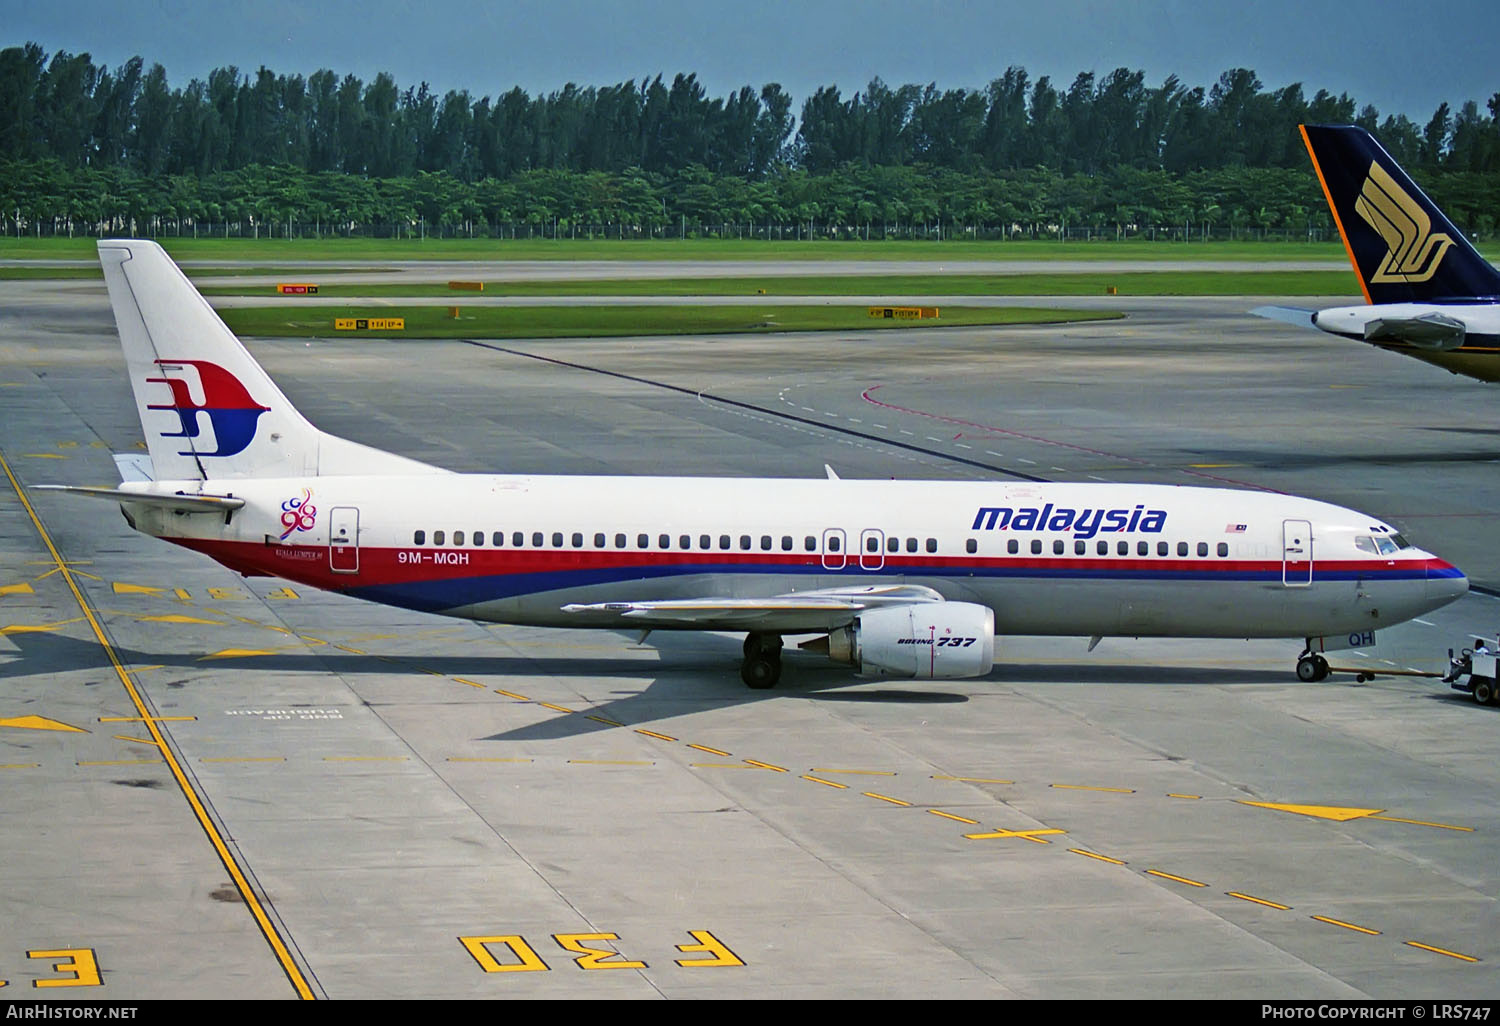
(1484, 691)
(1312, 668)
(761, 671)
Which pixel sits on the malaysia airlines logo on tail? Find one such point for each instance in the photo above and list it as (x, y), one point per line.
(232, 412)
(1414, 249)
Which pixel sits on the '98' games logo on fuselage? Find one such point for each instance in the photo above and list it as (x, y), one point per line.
(1084, 523)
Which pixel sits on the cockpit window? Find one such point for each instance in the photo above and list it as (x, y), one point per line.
(1364, 543)
(1401, 542)
(1386, 545)
(1382, 544)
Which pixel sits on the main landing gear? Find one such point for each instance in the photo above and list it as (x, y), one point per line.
(1311, 667)
(762, 666)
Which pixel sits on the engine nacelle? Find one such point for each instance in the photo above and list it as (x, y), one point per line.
(929, 640)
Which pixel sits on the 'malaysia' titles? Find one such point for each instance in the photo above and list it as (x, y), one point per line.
(1084, 523)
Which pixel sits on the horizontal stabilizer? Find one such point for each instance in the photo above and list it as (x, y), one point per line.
(1290, 314)
(178, 502)
(1433, 331)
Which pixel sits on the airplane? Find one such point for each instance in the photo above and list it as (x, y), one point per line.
(1428, 292)
(901, 579)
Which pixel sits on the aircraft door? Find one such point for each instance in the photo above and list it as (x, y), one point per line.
(871, 549)
(1296, 553)
(834, 555)
(343, 540)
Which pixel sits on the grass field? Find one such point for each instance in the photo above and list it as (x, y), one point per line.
(1147, 283)
(40, 271)
(278, 250)
(600, 321)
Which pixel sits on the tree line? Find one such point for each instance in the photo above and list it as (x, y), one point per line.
(84, 148)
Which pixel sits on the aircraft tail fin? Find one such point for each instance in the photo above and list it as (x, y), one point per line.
(207, 408)
(1403, 248)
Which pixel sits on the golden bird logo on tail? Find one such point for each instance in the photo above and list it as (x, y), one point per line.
(1414, 249)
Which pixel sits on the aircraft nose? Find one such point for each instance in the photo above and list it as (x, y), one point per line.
(1445, 582)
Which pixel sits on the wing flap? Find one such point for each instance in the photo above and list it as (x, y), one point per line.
(798, 612)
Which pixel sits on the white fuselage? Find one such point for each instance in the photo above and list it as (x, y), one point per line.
(1481, 319)
(1046, 558)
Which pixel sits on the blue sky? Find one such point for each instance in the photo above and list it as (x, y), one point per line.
(1400, 58)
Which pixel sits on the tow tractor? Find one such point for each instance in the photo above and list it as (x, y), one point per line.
(1474, 670)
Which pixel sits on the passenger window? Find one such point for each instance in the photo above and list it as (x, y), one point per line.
(931, 544)
(458, 537)
(765, 543)
(518, 540)
(971, 546)
(1102, 548)
(810, 543)
(833, 543)
(1080, 548)
(664, 541)
(1143, 548)
(557, 539)
(536, 539)
(745, 543)
(1162, 548)
(437, 537)
(705, 542)
(1012, 546)
(419, 538)
(599, 540)
(1223, 548)
(684, 541)
(723, 541)
(892, 544)
(872, 544)
(643, 541)
(786, 543)
(1057, 547)
(1182, 548)
(911, 545)
(478, 537)
(578, 539)
(498, 539)
(619, 541)
(1122, 548)
(1203, 548)
(1036, 546)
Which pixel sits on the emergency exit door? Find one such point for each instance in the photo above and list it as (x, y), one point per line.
(343, 540)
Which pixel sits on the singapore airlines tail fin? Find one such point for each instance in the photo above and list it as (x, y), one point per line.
(207, 408)
(1403, 248)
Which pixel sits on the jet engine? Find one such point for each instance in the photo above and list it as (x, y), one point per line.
(932, 640)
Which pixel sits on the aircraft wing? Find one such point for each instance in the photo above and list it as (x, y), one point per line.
(795, 613)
